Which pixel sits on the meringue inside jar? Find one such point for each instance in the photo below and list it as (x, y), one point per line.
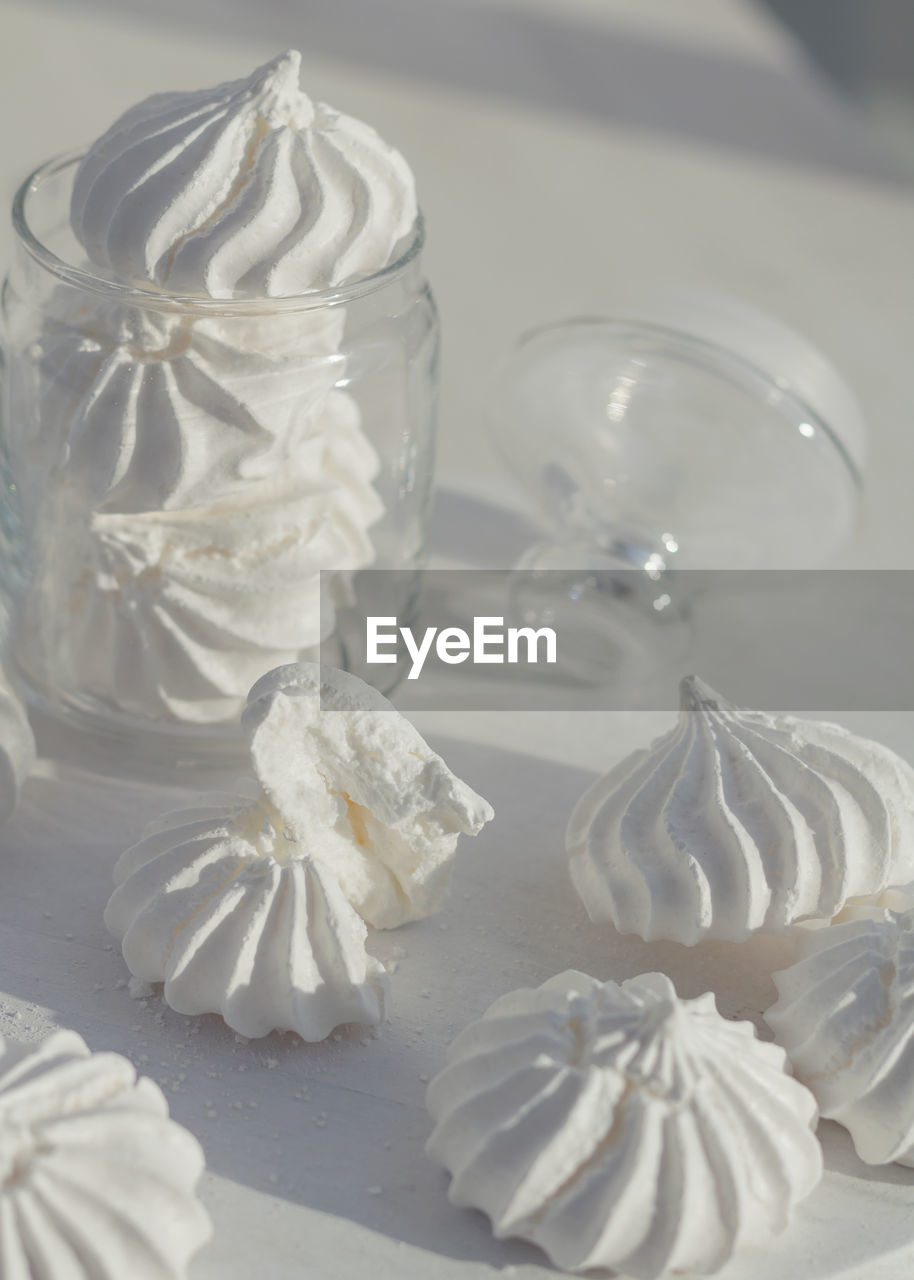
(194, 488)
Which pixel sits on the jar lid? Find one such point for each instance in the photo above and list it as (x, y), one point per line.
(789, 359)
(688, 425)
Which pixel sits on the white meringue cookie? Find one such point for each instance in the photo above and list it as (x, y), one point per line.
(221, 904)
(141, 411)
(246, 189)
(622, 1127)
(738, 821)
(845, 1015)
(17, 748)
(355, 781)
(174, 614)
(252, 905)
(96, 1182)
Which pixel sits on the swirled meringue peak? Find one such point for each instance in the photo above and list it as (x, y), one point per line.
(621, 1127)
(353, 779)
(96, 1182)
(235, 916)
(737, 821)
(248, 189)
(144, 411)
(845, 1015)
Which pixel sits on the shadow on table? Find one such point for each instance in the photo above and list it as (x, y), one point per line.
(475, 531)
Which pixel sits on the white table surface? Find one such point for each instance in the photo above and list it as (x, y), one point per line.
(541, 202)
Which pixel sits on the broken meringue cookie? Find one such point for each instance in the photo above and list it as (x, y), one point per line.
(96, 1182)
(619, 1126)
(737, 821)
(253, 904)
(17, 748)
(355, 781)
(235, 918)
(844, 1016)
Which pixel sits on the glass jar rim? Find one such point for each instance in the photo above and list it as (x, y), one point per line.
(162, 300)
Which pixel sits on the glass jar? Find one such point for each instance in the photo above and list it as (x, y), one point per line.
(177, 471)
(697, 433)
(728, 442)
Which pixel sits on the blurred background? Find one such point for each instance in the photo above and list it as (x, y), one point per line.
(571, 156)
(866, 49)
(689, 65)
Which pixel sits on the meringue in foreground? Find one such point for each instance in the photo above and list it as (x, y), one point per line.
(845, 1015)
(737, 821)
(96, 1182)
(223, 907)
(253, 905)
(356, 781)
(621, 1127)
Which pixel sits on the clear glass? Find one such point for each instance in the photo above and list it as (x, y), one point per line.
(657, 447)
(650, 449)
(177, 472)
